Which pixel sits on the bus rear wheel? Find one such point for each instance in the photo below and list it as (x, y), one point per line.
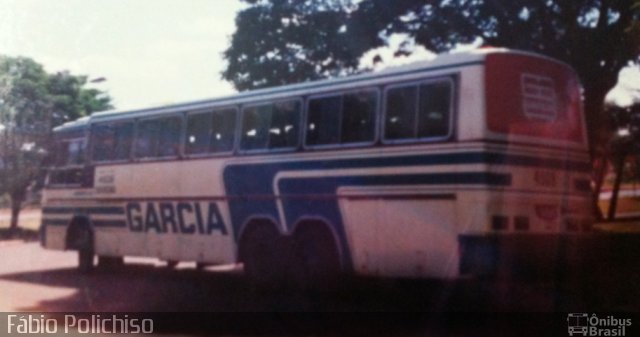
(261, 251)
(316, 261)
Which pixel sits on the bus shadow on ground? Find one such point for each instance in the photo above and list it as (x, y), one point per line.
(147, 288)
(135, 288)
(210, 302)
(606, 281)
(207, 303)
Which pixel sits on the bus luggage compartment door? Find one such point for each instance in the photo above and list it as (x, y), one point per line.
(400, 235)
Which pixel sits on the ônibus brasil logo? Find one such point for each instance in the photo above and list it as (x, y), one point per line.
(581, 324)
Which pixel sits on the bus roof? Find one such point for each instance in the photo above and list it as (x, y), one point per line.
(440, 62)
(74, 125)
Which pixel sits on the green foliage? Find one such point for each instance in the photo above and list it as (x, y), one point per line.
(291, 40)
(24, 103)
(279, 42)
(286, 41)
(32, 102)
(70, 100)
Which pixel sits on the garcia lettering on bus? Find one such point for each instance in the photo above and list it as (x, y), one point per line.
(180, 217)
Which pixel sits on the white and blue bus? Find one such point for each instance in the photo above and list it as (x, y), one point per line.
(436, 169)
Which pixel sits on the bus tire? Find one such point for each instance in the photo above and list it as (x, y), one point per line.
(261, 249)
(84, 241)
(316, 264)
(200, 266)
(110, 262)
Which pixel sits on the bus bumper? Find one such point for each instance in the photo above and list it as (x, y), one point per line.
(524, 256)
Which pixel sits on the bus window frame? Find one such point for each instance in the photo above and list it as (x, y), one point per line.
(341, 94)
(452, 110)
(210, 111)
(112, 122)
(240, 126)
(180, 153)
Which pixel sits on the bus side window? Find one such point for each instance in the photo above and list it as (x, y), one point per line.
(223, 130)
(169, 137)
(285, 122)
(400, 119)
(147, 138)
(255, 127)
(111, 141)
(358, 117)
(123, 135)
(418, 111)
(198, 133)
(159, 137)
(323, 121)
(435, 103)
(103, 141)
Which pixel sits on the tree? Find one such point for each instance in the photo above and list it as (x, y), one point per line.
(71, 100)
(32, 102)
(286, 41)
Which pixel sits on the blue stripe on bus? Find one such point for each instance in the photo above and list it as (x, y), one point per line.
(55, 222)
(88, 211)
(84, 210)
(109, 223)
(242, 180)
(95, 222)
(298, 208)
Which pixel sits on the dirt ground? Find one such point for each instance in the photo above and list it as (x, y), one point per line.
(29, 218)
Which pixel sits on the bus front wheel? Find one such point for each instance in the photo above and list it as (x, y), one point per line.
(261, 254)
(110, 262)
(84, 241)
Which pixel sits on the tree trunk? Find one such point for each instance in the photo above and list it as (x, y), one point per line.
(599, 128)
(613, 203)
(600, 171)
(16, 205)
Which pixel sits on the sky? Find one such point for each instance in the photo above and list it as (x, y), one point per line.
(155, 52)
(151, 52)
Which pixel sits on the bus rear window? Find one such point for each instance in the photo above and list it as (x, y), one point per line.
(533, 97)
